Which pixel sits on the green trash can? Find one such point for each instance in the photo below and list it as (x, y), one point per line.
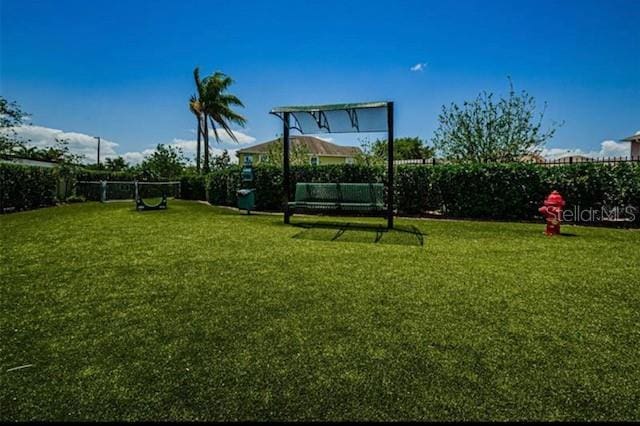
(246, 199)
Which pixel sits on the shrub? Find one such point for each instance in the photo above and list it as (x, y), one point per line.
(26, 187)
(494, 191)
(222, 184)
(470, 190)
(98, 175)
(193, 187)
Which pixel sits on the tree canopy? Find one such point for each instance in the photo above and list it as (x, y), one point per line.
(214, 104)
(116, 164)
(486, 129)
(404, 148)
(221, 161)
(10, 116)
(298, 154)
(165, 162)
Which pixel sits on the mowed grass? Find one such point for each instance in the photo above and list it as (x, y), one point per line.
(200, 313)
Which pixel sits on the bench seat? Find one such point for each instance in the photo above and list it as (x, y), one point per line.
(339, 196)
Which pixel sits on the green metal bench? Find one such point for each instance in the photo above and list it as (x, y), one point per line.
(367, 197)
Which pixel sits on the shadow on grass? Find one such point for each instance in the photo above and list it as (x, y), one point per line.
(360, 233)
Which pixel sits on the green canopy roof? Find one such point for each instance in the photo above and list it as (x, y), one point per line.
(336, 118)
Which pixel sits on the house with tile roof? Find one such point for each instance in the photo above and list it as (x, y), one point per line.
(320, 151)
(635, 144)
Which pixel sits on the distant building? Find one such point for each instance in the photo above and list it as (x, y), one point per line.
(635, 144)
(320, 151)
(29, 162)
(575, 158)
(532, 158)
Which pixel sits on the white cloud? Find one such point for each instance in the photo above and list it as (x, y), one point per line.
(638, 132)
(243, 138)
(188, 147)
(136, 157)
(419, 67)
(83, 144)
(79, 143)
(608, 148)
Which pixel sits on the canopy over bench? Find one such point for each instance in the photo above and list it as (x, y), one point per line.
(337, 118)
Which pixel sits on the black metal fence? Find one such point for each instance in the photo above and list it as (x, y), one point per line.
(551, 162)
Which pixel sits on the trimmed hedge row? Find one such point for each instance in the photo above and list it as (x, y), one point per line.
(98, 175)
(492, 191)
(29, 187)
(221, 185)
(193, 187)
(26, 187)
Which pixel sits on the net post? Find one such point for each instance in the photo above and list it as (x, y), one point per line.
(285, 165)
(390, 165)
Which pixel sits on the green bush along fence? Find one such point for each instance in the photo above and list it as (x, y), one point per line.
(491, 191)
(26, 187)
(484, 191)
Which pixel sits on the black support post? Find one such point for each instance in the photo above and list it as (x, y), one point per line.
(390, 165)
(285, 165)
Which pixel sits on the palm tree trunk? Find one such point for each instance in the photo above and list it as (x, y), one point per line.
(205, 166)
(198, 144)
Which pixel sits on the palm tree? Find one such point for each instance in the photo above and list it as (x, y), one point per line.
(196, 108)
(217, 106)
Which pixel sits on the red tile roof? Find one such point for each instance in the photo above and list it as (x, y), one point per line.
(314, 145)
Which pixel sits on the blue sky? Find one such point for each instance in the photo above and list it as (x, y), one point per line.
(122, 69)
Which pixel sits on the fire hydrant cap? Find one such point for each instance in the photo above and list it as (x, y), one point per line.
(554, 199)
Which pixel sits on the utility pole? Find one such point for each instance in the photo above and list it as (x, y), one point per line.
(98, 137)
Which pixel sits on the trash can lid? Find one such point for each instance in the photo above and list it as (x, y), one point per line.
(245, 191)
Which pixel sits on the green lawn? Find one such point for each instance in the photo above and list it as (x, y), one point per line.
(201, 313)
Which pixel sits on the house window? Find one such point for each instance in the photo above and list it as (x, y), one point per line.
(264, 158)
(315, 161)
(349, 160)
(248, 159)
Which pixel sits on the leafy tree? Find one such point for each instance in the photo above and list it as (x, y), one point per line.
(298, 153)
(403, 149)
(216, 106)
(368, 155)
(221, 161)
(165, 162)
(11, 116)
(485, 130)
(59, 152)
(116, 164)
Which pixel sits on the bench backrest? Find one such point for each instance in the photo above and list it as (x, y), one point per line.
(372, 193)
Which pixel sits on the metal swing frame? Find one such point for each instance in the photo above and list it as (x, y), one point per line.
(318, 112)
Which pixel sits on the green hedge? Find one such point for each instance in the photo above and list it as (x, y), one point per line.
(193, 187)
(222, 184)
(492, 191)
(27, 187)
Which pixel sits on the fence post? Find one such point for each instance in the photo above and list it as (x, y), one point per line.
(103, 191)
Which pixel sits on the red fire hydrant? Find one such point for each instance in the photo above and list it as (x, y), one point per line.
(552, 211)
